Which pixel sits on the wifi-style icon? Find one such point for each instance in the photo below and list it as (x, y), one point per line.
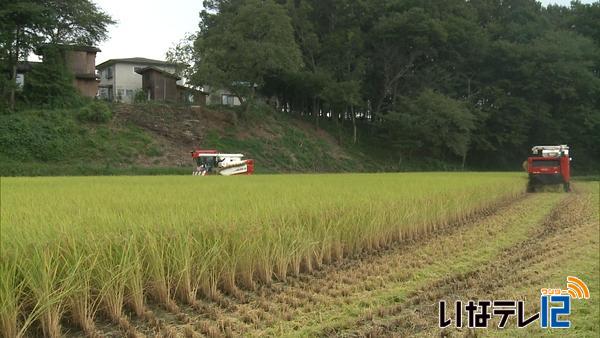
(577, 288)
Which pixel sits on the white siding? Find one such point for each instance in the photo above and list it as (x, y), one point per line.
(223, 97)
(20, 80)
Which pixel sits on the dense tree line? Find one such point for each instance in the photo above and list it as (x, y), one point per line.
(476, 82)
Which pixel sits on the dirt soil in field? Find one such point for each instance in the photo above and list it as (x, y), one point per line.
(510, 253)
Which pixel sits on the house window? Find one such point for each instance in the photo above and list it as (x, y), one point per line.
(103, 93)
(228, 100)
(129, 92)
(20, 80)
(109, 73)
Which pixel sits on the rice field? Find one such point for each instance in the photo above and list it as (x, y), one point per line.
(74, 249)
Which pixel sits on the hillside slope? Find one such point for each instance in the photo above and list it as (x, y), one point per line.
(157, 139)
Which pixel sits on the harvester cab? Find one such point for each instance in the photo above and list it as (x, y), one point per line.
(209, 162)
(549, 165)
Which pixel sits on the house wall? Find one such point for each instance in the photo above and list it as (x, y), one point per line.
(224, 97)
(87, 87)
(199, 99)
(20, 80)
(161, 87)
(81, 62)
(191, 96)
(82, 65)
(127, 82)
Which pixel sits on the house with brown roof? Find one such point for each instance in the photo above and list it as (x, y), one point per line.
(120, 79)
(160, 85)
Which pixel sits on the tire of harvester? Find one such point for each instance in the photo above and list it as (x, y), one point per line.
(530, 186)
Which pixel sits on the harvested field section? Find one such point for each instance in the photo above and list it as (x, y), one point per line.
(358, 292)
(394, 292)
(176, 254)
(516, 271)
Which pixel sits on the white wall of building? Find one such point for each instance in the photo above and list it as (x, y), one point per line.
(20, 80)
(222, 97)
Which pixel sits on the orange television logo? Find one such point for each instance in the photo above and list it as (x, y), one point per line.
(576, 288)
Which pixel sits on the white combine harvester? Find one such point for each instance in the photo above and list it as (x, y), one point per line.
(209, 162)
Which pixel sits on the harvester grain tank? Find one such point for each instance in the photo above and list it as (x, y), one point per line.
(209, 162)
(549, 165)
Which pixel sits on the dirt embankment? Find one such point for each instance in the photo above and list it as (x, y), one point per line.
(280, 143)
(177, 130)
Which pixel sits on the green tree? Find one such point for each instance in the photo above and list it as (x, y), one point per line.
(50, 83)
(76, 22)
(434, 124)
(342, 98)
(578, 17)
(541, 89)
(402, 37)
(434, 79)
(26, 24)
(183, 55)
(239, 48)
(21, 26)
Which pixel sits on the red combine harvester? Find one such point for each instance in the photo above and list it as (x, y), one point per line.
(549, 165)
(210, 162)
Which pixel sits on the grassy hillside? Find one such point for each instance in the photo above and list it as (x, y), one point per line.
(157, 139)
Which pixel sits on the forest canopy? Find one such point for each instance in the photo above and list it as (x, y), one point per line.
(476, 82)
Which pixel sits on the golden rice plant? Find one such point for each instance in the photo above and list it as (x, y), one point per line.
(72, 247)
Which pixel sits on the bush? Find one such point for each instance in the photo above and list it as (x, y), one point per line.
(37, 135)
(50, 83)
(254, 111)
(140, 96)
(97, 111)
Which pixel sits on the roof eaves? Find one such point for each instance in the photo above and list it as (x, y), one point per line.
(156, 69)
(136, 60)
